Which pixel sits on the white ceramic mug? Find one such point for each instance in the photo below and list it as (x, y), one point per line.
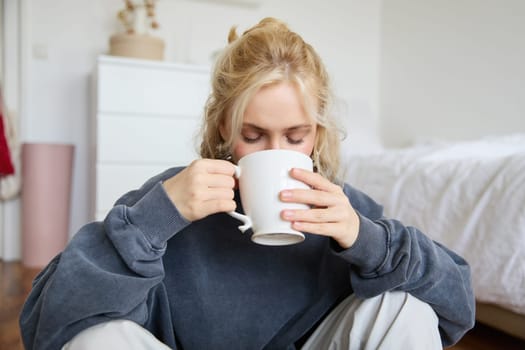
(262, 176)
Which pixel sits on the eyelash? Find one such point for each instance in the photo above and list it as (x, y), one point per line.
(256, 139)
(251, 139)
(294, 142)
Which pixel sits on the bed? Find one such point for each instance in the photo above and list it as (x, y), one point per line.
(469, 196)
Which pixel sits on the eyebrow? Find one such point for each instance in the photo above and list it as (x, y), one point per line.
(293, 128)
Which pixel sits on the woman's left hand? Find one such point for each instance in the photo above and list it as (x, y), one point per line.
(331, 213)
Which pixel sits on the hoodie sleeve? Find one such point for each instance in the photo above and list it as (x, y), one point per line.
(109, 270)
(388, 256)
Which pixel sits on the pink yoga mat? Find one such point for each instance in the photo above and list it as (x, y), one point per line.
(46, 195)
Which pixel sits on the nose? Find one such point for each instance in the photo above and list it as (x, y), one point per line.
(274, 143)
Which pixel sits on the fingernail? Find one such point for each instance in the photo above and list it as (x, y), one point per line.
(286, 194)
(287, 214)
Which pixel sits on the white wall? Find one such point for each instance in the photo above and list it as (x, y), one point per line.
(63, 37)
(421, 69)
(452, 69)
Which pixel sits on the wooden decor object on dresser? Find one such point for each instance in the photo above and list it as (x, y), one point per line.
(137, 46)
(147, 118)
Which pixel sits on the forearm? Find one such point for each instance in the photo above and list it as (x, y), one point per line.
(389, 256)
(107, 272)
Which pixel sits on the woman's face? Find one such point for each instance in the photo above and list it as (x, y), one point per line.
(274, 119)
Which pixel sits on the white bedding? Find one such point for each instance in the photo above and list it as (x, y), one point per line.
(469, 196)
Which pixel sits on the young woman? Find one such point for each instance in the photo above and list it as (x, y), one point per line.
(168, 267)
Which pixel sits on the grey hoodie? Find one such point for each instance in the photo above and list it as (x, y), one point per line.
(204, 285)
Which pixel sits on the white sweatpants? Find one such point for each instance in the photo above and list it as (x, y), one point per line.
(390, 321)
(115, 335)
(394, 320)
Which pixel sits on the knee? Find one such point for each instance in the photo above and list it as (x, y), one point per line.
(400, 307)
(409, 321)
(393, 320)
(117, 334)
(400, 320)
(412, 307)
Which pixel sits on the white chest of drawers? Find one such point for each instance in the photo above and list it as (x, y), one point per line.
(147, 116)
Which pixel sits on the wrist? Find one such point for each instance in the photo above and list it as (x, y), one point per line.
(349, 236)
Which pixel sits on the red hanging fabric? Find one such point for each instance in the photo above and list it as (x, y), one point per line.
(6, 164)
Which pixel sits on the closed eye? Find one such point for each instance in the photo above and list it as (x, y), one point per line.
(293, 141)
(251, 137)
(296, 136)
(251, 140)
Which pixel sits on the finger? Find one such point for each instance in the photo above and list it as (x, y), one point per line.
(219, 166)
(345, 236)
(212, 166)
(217, 206)
(220, 181)
(198, 174)
(311, 197)
(218, 193)
(209, 194)
(312, 179)
(324, 228)
(312, 215)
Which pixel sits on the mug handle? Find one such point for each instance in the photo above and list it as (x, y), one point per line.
(247, 222)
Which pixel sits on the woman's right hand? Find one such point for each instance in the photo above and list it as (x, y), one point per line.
(205, 187)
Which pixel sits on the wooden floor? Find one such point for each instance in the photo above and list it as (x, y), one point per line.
(15, 283)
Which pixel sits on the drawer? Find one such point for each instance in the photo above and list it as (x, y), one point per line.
(114, 180)
(146, 139)
(152, 89)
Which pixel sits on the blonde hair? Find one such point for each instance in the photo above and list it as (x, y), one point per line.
(269, 53)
